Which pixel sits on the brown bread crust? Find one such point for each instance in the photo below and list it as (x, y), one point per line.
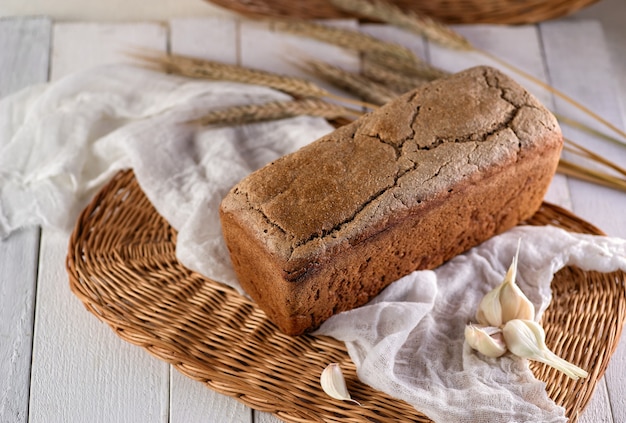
(407, 187)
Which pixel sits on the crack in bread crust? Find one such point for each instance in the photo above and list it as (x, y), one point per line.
(413, 101)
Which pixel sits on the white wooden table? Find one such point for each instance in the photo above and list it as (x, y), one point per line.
(58, 363)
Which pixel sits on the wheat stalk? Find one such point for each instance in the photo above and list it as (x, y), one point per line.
(208, 69)
(387, 54)
(273, 110)
(346, 38)
(312, 104)
(439, 33)
(356, 84)
(359, 86)
(578, 125)
(570, 169)
(578, 149)
(396, 81)
(555, 92)
(421, 70)
(218, 71)
(412, 21)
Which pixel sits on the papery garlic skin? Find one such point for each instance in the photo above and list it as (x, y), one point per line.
(514, 304)
(489, 311)
(506, 301)
(487, 340)
(526, 339)
(334, 384)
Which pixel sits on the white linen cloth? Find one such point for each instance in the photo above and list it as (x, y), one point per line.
(60, 142)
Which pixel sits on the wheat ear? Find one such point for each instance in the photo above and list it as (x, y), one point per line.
(213, 70)
(421, 70)
(356, 84)
(273, 110)
(346, 38)
(396, 81)
(412, 21)
(208, 69)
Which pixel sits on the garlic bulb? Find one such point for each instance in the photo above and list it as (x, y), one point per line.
(334, 384)
(526, 339)
(506, 301)
(487, 340)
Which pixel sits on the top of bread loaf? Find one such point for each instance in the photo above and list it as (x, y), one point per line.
(401, 156)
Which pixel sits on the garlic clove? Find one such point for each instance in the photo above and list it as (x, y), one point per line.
(489, 311)
(506, 301)
(514, 303)
(526, 339)
(334, 384)
(487, 340)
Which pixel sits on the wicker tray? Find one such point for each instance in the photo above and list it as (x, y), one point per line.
(122, 266)
(448, 11)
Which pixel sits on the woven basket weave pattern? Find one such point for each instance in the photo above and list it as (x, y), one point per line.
(122, 265)
(447, 11)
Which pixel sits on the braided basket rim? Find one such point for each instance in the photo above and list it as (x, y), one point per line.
(510, 12)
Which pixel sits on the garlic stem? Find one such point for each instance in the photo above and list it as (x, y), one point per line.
(526, 339)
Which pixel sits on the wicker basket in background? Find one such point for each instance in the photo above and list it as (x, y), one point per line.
(448, 11)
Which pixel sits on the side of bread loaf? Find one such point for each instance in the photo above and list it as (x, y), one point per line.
(406, 187)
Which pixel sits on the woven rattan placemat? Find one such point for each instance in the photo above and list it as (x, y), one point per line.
(122, 265)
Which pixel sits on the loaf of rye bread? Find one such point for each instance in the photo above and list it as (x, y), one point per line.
(406, 187)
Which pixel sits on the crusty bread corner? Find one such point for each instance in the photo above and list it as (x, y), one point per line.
(406, 187)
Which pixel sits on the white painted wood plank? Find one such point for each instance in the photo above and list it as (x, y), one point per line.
(101, 44)
(24, 53)
(599, 408)
(18, 262)
(24, 48)
(263, 417)
(82, 372)
(579, 65)
(207, 38)
(191, 401)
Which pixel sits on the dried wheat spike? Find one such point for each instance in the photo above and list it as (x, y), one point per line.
(398, 82)
(274, 110)
(356, 84)
(353, 40)
(421, 70)
(419, 24)
(208, 69)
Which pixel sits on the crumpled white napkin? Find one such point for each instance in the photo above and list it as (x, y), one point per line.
(409, 340)
(60, 142)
